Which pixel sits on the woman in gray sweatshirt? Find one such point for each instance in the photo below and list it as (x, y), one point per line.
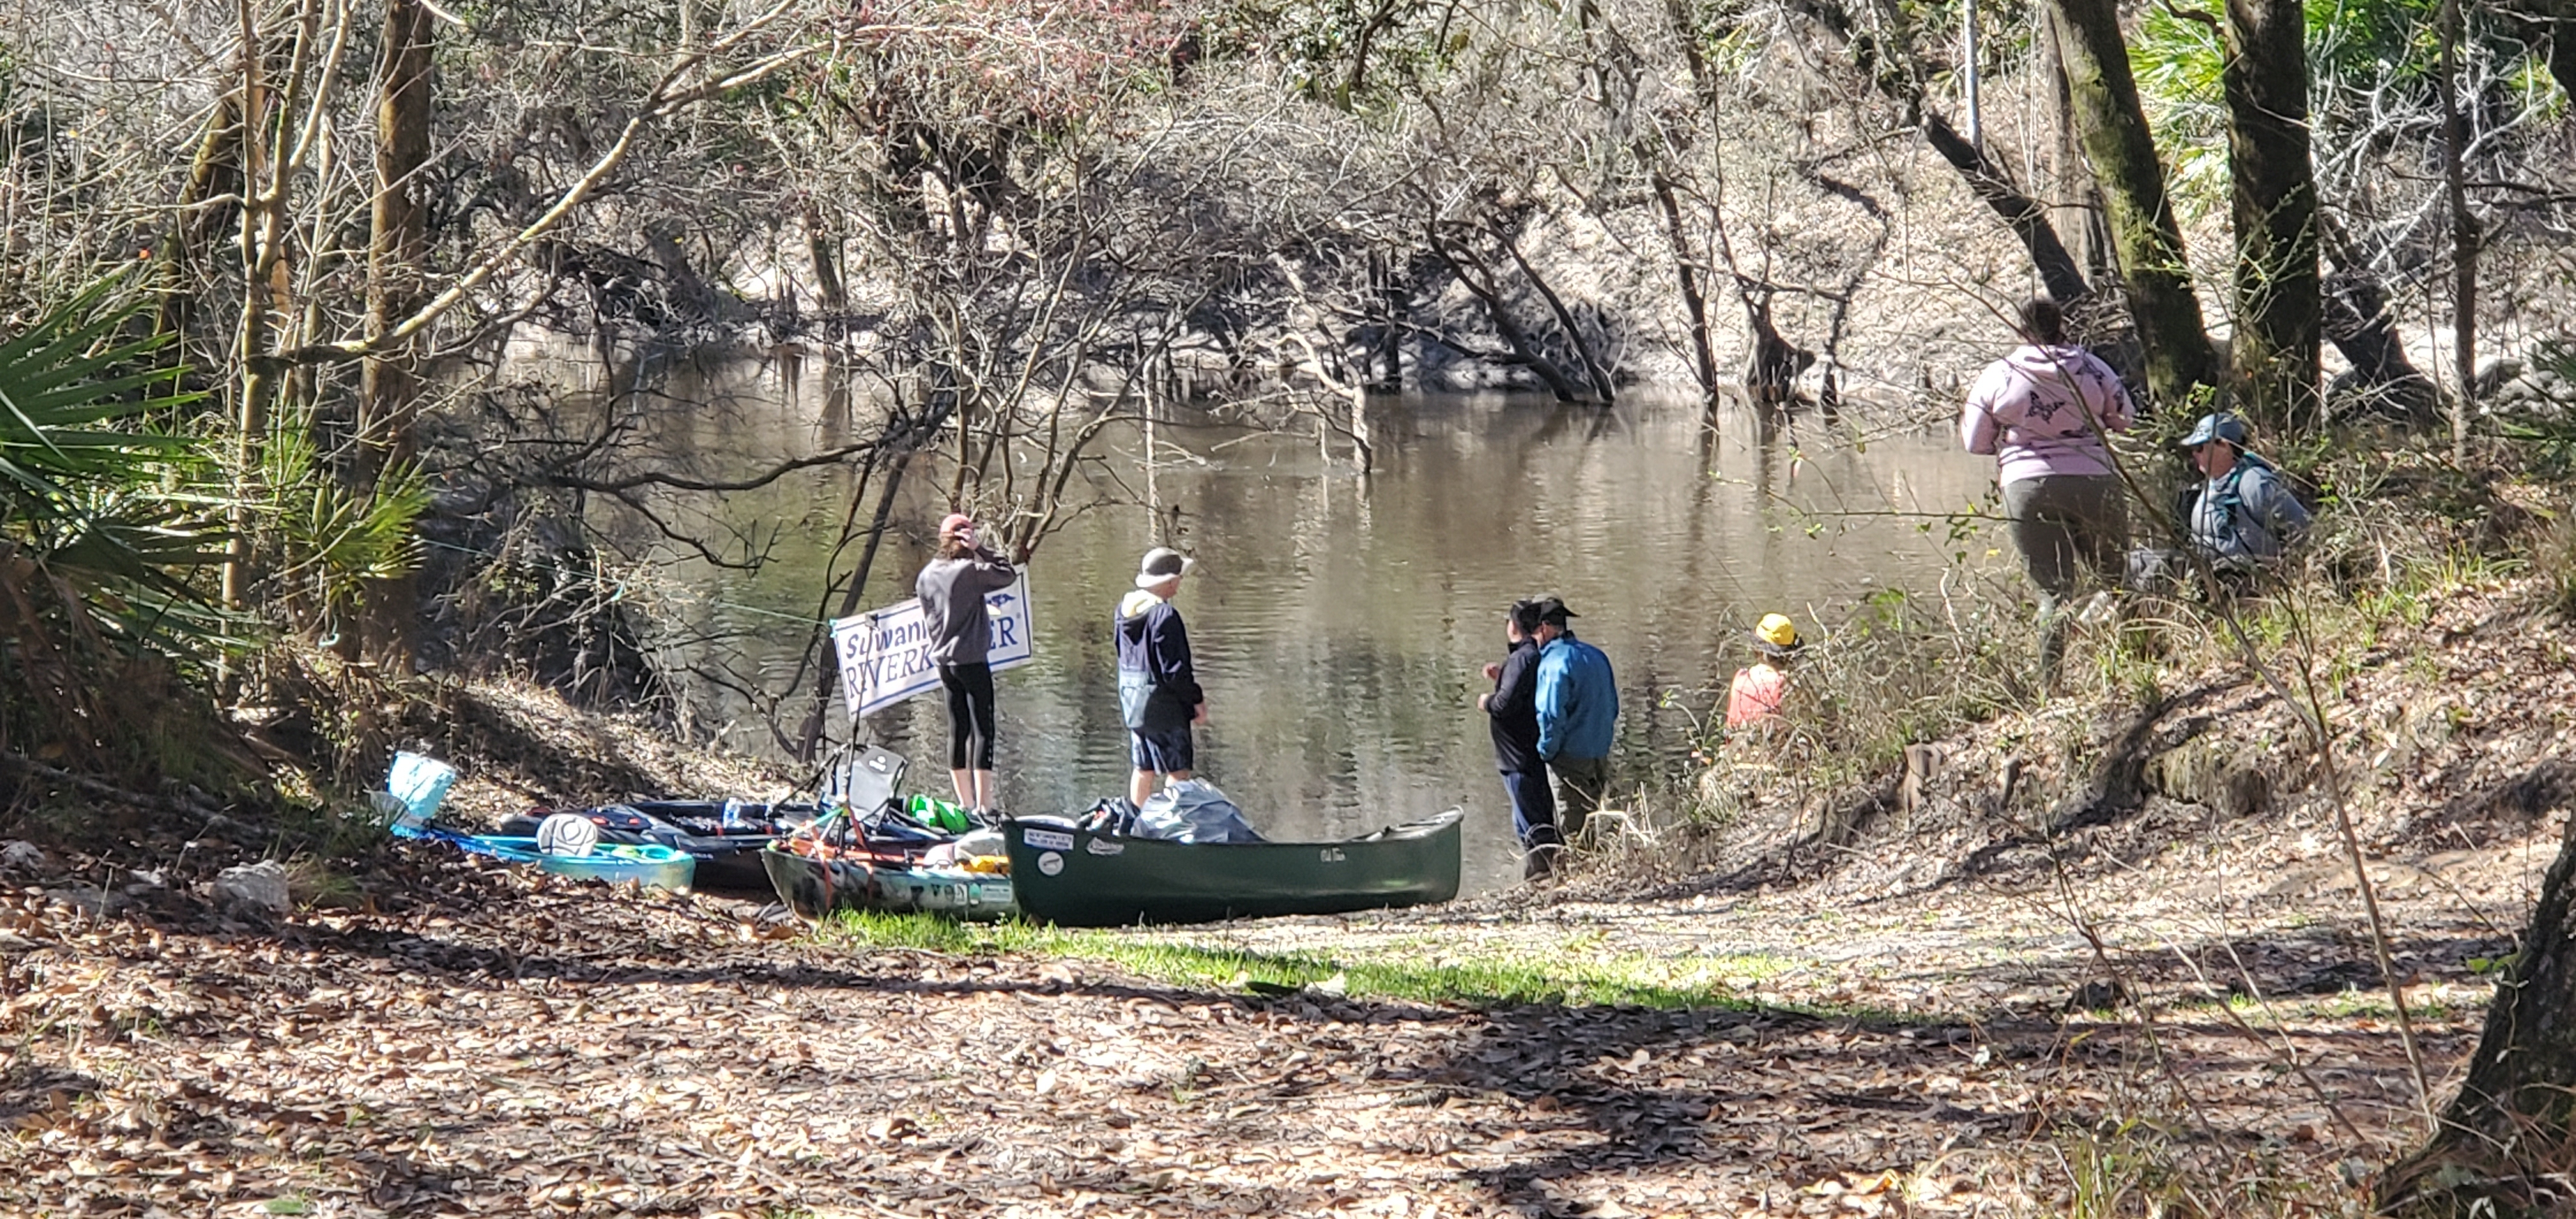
(952, 590)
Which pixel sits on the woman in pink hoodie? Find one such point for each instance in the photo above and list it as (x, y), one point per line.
(2045, 413)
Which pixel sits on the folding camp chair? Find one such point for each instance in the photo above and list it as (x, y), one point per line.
(865, 777)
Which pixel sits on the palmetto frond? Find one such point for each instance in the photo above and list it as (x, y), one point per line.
(90, 491)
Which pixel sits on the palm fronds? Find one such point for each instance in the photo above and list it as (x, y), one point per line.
(103, 527)
(87, 487)
(328, 538)
(66, 375)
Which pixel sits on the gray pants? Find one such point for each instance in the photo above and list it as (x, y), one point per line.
(1580, 784)
(2066, 525)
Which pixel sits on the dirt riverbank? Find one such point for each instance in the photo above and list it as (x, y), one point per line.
(1946, 1009)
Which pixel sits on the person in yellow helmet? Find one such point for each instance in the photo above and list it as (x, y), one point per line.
(1759, 690)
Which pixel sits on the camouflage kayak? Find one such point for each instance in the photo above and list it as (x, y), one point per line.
(815, 888)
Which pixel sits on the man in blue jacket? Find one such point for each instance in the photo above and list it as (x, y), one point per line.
(1578, 708)
(1158, 687)
(1513, 709)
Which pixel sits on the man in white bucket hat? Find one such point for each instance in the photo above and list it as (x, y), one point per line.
(1158, 689)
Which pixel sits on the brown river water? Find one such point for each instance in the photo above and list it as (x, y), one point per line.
(1339, 621)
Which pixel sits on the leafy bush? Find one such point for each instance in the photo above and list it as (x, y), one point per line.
(1901, 669)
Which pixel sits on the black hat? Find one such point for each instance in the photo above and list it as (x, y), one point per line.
(1524, 614)
(1551, 609)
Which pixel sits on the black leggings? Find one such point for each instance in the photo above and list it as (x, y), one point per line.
(970, 714)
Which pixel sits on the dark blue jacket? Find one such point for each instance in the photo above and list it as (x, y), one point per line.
(1152, 641)
(1578, 700)
(1514, 708)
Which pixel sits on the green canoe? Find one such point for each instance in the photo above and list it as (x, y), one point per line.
(814, 888)
(1078, 879)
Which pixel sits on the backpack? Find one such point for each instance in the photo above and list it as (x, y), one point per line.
(1114, 817)
(2231, 503)
(1145, 705)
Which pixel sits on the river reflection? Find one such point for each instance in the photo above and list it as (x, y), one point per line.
(1339, 622)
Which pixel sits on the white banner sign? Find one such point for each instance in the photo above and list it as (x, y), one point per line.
(885, 654)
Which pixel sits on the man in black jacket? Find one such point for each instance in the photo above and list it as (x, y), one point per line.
(1513, 708)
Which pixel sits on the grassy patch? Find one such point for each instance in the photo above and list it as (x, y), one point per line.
(329, 828)
(2396, 535)
(1899, 669)
(2152, 1165)
(317, 881)
(2343, 1006)
(2557, 564)
(1400, 972)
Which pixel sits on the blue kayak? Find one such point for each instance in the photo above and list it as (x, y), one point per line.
(645, 863)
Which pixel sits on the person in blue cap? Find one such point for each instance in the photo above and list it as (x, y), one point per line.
(1578, 712)
(2243, 515)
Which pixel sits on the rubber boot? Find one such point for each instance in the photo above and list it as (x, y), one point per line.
(1540, 863)
(2052, 649)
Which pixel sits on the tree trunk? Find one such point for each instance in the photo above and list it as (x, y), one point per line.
(1352, 84)
(2358, 323)
(2265, 76)
(2144, 232)
(2464, 235)
(2075, 202)
(697, 298)
(824, 250)
(1593, 370)
(213, 172)
(827, 675)
(1969, 75)
(903, 437)
(1771, 375)
(1524, 350)
(2504, 1146)
(2058, 271)
(1386, 363)
(1694, 295)
(398, 243)
(262, 227)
